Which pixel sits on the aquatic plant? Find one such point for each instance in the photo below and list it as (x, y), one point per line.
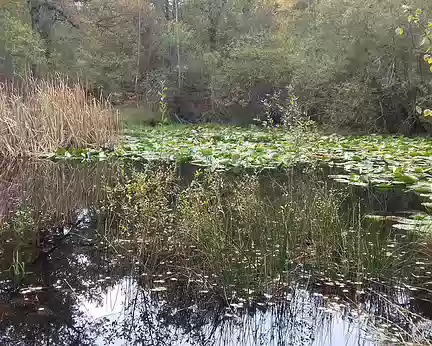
(239, 238)
(212, 247)
(381, 161)
(17, 266)
(41, 116)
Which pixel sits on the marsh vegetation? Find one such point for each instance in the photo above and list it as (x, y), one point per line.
(41, 116)
(162, 254)
(354, 66)
(134, 212)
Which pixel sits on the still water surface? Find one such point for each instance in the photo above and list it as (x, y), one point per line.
(128, 254)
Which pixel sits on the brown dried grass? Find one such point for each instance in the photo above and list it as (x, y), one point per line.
(42, 116)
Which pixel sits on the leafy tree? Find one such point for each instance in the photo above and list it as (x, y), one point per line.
(220, 60)
(350, 69)
(20, 46)
(425, 43)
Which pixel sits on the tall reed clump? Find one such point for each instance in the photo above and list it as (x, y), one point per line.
(42, 116)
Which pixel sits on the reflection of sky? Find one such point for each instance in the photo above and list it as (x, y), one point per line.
(302, 323)
(113, 304)
(113, 307)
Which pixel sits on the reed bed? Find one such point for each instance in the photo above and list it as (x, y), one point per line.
(42, 116)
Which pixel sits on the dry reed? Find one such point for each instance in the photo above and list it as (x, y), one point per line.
(42, 116)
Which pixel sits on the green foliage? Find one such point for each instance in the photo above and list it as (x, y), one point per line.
(220, 59)
(351, 72)
(246, 67)
(20, 46)
(143, 200)
(17, 266)
(252, 230)
(193, 236)
(381, 161)
(418, 19)
(21, 227)
(227, 217)
(288, 110)
(21, 223)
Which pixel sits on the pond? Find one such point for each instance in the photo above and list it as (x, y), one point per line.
(133, 253)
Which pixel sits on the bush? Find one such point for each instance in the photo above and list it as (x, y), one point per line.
(353, 71)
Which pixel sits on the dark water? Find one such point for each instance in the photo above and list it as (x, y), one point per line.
(129, 254)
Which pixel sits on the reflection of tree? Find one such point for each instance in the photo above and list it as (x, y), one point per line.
(11, 187)
(47, 196)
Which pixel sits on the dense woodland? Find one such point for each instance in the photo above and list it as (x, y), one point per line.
(346, 64)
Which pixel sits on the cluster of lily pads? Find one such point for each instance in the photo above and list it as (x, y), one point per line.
(383, 161)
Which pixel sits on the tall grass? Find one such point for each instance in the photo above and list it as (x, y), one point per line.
(41, 116)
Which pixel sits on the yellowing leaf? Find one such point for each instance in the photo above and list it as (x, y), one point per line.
(400, 31)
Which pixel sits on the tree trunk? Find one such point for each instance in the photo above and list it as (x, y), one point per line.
(138, 58)
(179, 81)
(167, 10)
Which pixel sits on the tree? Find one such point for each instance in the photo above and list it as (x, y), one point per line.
(44, 15)
(349, 68)
(422, 43)
(20, 46)
(220, 59)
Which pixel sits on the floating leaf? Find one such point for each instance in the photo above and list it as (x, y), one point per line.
(376, 217)
(400, 31)
(159, 289)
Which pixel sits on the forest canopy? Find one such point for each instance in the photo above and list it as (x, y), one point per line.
(358, 65)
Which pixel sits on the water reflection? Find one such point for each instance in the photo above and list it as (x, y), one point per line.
(117, 254)
(299, 320)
